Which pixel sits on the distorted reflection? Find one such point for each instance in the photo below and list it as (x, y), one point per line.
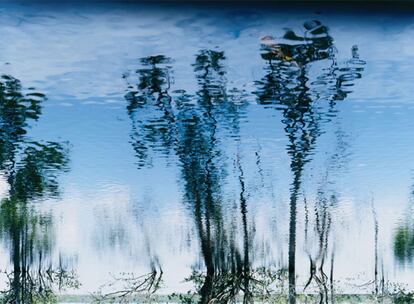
(318, 248)
(218, 154)
(203, 170)
(404, 236)
(30, 169)
(150, 108)
(287, 87)
(191, 126)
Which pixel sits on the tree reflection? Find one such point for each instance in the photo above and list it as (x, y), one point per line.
(288, 88)
(150, 108)
(323, 223)
(404, 236)
(30, 169)
(194, 127)
(203, 170)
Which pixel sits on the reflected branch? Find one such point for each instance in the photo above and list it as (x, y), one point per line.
(132, 287)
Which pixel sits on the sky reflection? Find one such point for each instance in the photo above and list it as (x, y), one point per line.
(181, 143)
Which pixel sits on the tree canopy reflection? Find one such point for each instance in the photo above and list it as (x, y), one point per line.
(287, 87)
(150, 108)
(31, 170)
(194, 123)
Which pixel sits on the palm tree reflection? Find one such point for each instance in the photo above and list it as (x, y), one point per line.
(287, 87)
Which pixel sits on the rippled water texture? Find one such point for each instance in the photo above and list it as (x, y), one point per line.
(199, 154)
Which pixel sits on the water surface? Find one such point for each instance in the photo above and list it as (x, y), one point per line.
(205, 152)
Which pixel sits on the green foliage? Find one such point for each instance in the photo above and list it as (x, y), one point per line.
(36, 173)
(30, 166)
(31, 169)
(404, 244)
(17, 107)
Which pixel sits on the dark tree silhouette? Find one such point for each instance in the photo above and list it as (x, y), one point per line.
(203, 171)
(193, 125)
(287, 88)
